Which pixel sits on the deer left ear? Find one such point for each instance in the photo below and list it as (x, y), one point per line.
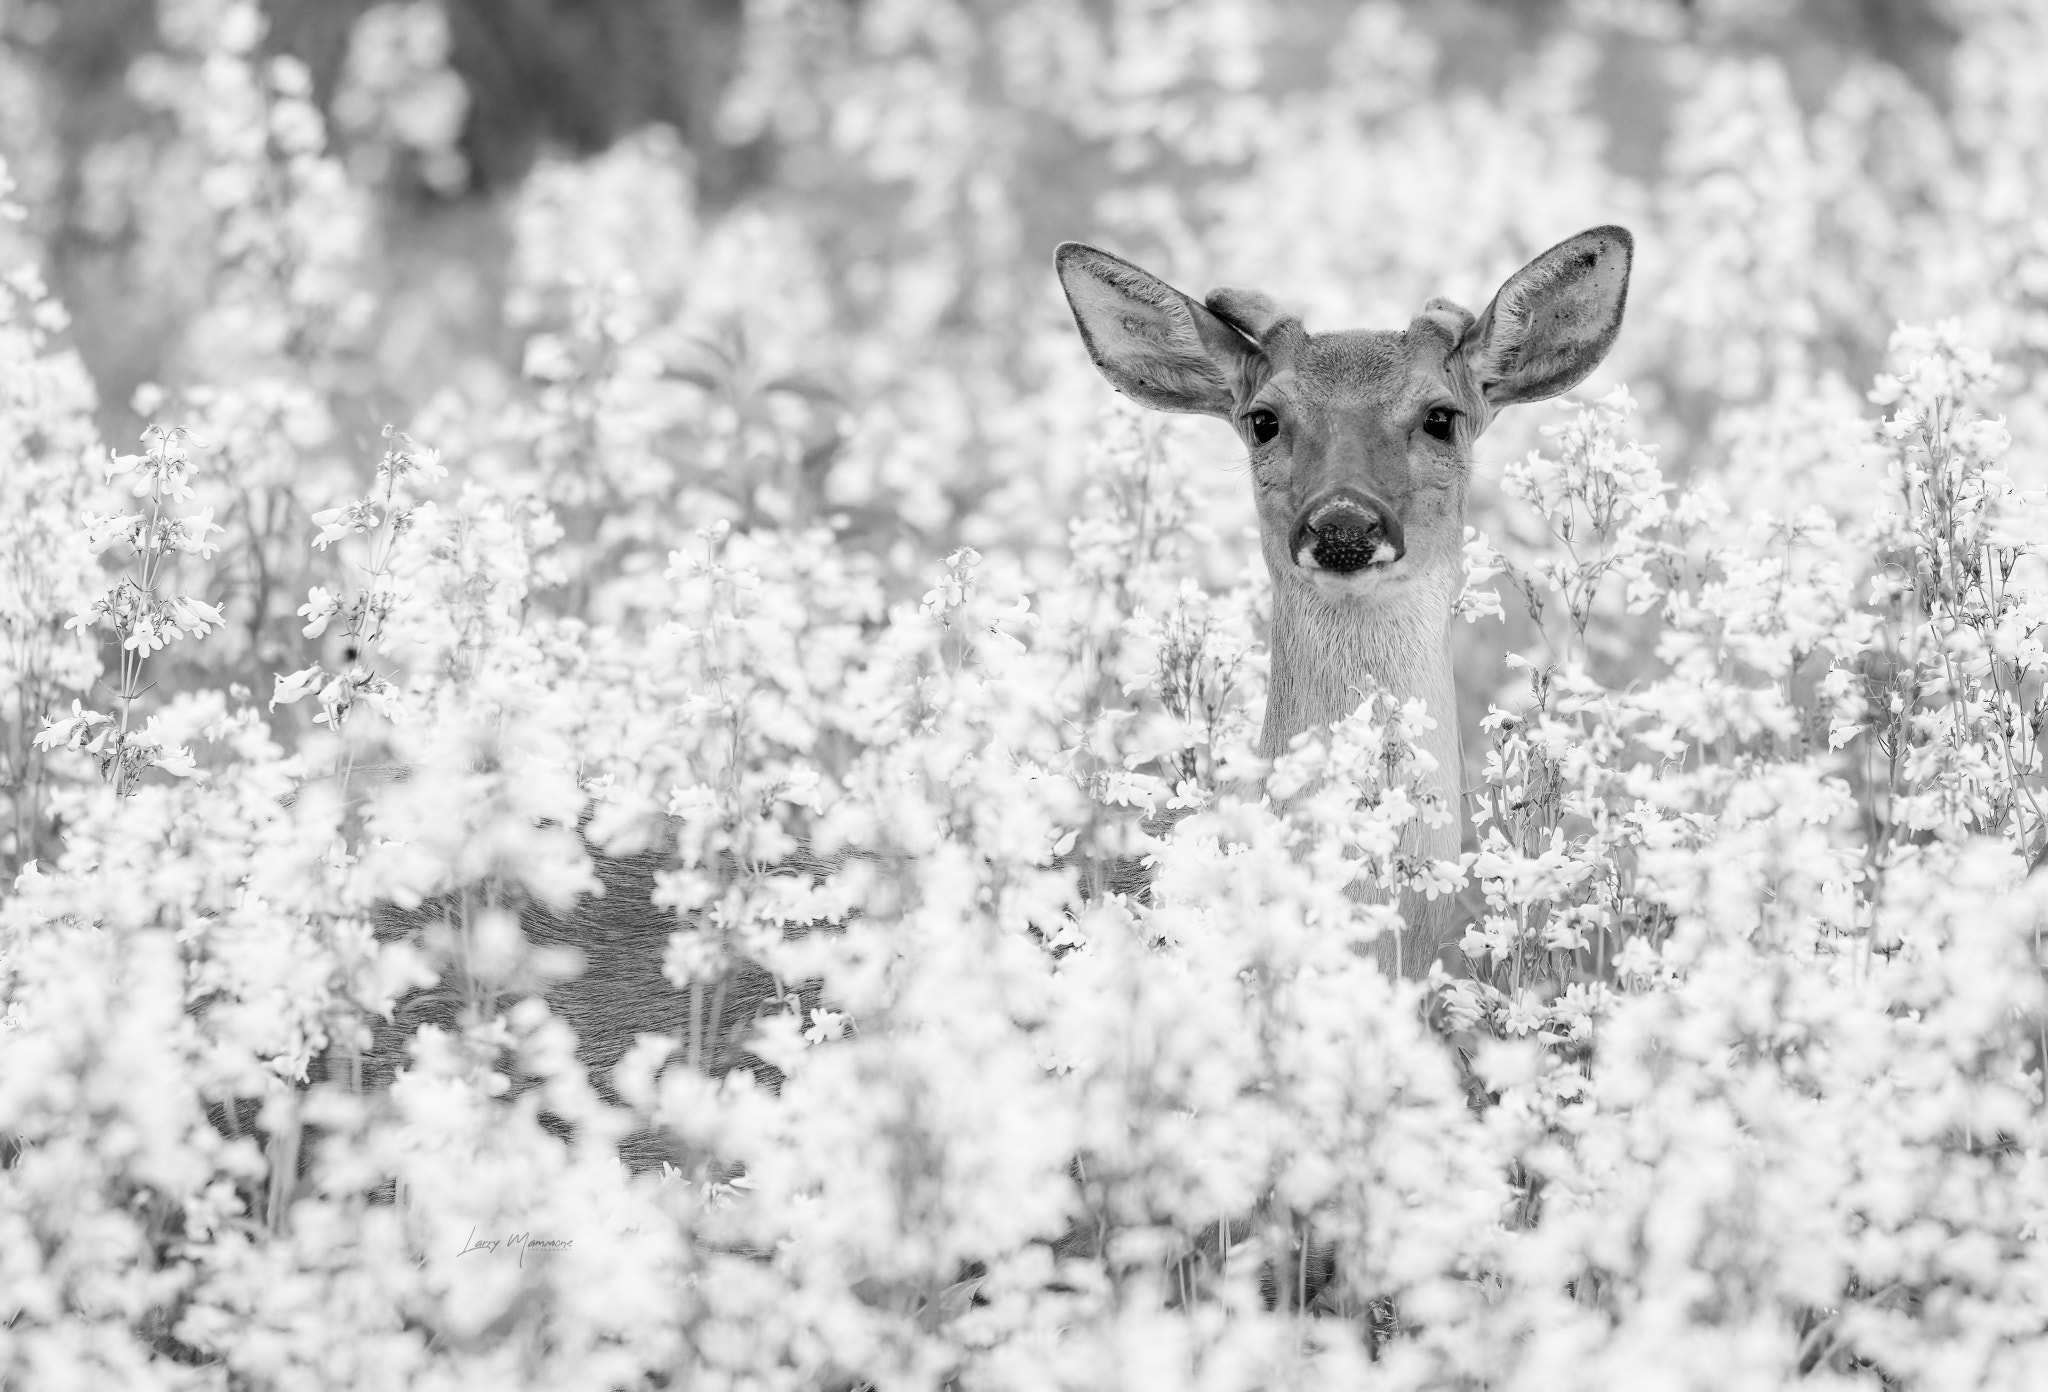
(1554, 320)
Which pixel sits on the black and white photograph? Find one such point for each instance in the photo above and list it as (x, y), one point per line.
(1024, 695)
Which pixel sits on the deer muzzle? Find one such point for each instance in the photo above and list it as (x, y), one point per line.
(1346, 531)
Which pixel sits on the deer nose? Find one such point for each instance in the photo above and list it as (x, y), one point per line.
(1347, 531)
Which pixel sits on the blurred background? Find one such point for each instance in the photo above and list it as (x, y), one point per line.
(788, 261)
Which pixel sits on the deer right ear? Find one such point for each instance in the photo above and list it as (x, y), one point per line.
(1154, 344)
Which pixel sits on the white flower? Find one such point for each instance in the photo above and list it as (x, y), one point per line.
(352, 518)
(175, 759)
(1637, 960)
(190, 535)
(73, 731)
(301, 683)
(321, 605)
(190, 616)
(149, 634)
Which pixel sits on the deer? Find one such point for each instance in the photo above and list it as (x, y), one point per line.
(1359, 445)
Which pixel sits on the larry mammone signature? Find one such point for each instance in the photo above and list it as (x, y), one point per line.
(521, 1242)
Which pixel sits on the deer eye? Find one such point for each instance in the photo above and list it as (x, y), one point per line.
(1437, 424)
(1265, 425)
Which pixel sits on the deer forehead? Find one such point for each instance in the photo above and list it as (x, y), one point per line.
(1372, 372)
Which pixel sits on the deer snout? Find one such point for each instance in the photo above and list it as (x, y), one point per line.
(1347, 531)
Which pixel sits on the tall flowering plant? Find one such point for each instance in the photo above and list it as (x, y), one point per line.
(1946, 700)
(382, 519)
(48, 572)
(142, 609)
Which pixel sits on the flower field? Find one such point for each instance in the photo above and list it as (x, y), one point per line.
(624, 776)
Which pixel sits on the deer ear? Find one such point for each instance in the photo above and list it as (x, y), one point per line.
(1154, 344)
(1554, 320)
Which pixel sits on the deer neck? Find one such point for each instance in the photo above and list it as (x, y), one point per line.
(1326, 655)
